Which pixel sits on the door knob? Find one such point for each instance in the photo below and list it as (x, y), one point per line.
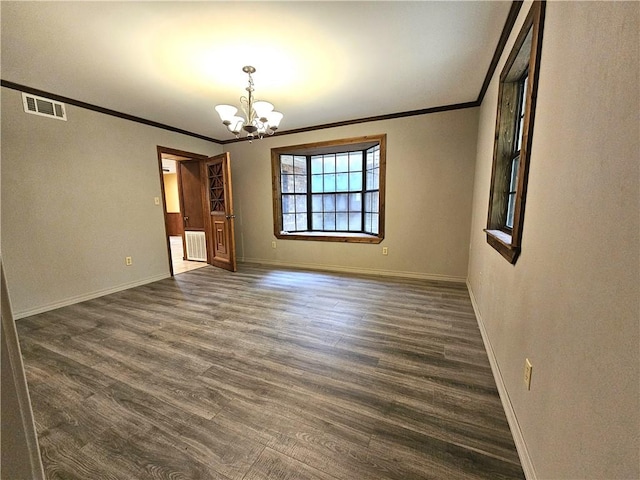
(230, 216)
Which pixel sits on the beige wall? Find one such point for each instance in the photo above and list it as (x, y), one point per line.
(570, 304)
(430, 163)
(171, 192)
(77, 197)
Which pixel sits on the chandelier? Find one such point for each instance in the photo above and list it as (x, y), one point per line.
(259, 116)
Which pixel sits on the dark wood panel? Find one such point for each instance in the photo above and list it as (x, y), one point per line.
(268, 374)
(174, 224)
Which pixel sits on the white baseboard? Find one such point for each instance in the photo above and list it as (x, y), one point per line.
(87, 296)
(512, 419)
(363, 271)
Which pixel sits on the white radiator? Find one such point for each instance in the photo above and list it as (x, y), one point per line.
(196, 246)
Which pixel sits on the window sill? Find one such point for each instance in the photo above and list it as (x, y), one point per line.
(503, 243)
(333, 237)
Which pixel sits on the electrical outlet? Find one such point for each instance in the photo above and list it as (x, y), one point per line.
(273, 244)
(527, 373)
(128, 261)
(385, 250)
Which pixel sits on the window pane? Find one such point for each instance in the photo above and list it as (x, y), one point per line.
(342, 221)
(286, 163)
(511, 208)
(514, 174)
(355, 222)
(301, 203)
(375, 180)
(329, 163)
(316, 203)
(329, 203)
(355, 181)
(288, 222)
(374, 223)
(367, 222)
(329, 221)
(370, 182)
(376, 157)
(300, 165)
(342, 162)
(316, 183)
(355, 161)
(330, 182)
(288, 204)
(300, 183)
(355, 202)
(374, 202)
(317, 221)
(369, 159)
(368, 204)
(342, 202)
(316, 164)
(342, 182)
(287, 183)
(301, 221)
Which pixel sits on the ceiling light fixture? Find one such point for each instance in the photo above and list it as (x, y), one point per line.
(259, 116)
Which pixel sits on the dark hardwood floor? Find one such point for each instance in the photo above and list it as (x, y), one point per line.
(267, 374)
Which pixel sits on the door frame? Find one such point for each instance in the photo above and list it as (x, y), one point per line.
(178, 156)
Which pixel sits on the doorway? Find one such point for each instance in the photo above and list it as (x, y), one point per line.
(198, 210)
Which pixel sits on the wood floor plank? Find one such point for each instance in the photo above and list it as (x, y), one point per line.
(268, 373)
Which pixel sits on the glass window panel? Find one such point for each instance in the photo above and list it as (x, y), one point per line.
(374, 202)
(329, 221)
(288, 204)
(316, 164)
(375, 180)
(342, 182)
(316, 220)
(300, 182)
(355, 202)
(329, 203)
(342, 162)
(342, 202)
(287, 183)
(286, 163)
(370, 181)
(355, 181)
(301, 203)
(511, 207)
(342, 221)
(355, 161)
(376, 157)
(317, 183)
(316, 203)
(514, 174)
(329, 163)
(368, 202)
(330, 182)
(288, 222)
(374, 223)
(367, 222)
(301, 221)
(355, 222)
(369, 159)
(300, 165)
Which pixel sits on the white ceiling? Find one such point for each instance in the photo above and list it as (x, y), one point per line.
(317, 62)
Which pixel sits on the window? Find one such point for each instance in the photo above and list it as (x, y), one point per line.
(332, 191)
(514, 131)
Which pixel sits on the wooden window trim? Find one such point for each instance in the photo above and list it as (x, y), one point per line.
(331, 146)
(508, 241)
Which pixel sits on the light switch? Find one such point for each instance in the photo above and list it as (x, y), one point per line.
(156, 200)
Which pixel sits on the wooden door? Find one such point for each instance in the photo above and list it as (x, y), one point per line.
(221, 219)
(190, 192)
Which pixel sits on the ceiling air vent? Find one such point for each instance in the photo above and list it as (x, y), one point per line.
(43, 106)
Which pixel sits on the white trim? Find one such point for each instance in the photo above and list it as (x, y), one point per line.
(363, 271)
(512, 419)
(17, 385)
(87, 296)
